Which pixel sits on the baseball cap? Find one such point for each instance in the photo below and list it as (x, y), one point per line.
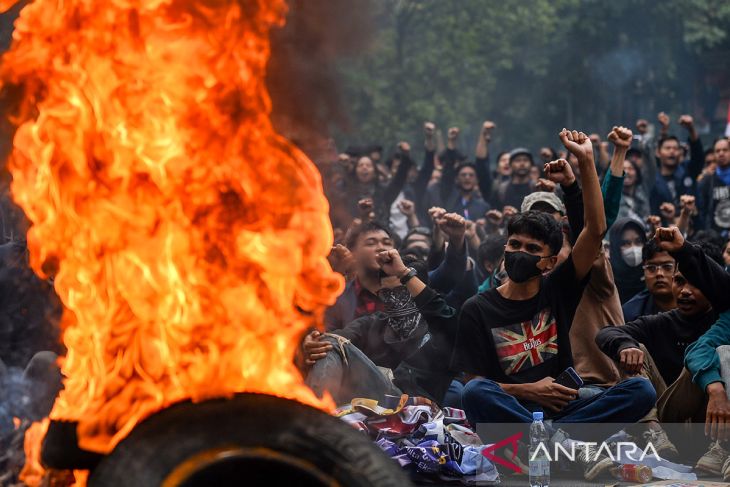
(542, 197)
(519, 152)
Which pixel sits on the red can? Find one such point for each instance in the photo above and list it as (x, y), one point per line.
(633, 473)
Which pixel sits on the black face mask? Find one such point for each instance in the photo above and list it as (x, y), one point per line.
(521, 266)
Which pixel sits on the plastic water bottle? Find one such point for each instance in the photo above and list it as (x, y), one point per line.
(539, 461)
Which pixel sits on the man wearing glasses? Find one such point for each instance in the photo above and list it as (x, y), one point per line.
(658, 268)
(654, 345)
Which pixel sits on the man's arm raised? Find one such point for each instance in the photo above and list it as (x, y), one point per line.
(588, 243)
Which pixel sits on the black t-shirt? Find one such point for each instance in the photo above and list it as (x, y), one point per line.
(512, 194)
(666, 337)
(516, 342)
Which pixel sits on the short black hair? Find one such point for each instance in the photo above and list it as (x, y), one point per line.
(663, 140)
(708, 235)
(362, 229)
(539, 226)
(712, 251)
(465, 164)
(491, 248)
(650, 249)
(634, 152)
(553, 154)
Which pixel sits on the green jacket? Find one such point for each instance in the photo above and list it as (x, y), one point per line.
(701, 357)
(612, 189)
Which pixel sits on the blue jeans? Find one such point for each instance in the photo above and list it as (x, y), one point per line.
(484, 401)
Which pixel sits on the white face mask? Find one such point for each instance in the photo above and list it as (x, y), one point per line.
(632, 255)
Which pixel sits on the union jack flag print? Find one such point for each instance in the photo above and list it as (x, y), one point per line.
(527, 344)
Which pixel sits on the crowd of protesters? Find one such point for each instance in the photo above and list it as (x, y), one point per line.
(475, 279)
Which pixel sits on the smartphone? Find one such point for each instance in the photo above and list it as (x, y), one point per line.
(570, 378)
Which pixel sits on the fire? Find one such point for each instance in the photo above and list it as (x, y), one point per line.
(187, 239)
(33, 471)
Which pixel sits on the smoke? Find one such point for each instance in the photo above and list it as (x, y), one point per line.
(619, 67)
(302, 73)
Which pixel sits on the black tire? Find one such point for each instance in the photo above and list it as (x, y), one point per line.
(250, 439)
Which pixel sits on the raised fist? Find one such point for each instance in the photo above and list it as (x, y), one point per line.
(429, 128)
(686, 121)
(642, 126)
(404, 147)
(663, 119)
(453, 225)
(509, 211)
(341, 260)
(487, 130)
(669, 239)
(436, 213)
(453, 133)
(366, 207)
(545, 185)
(494, 217)
(559, 172)
(654, 222)
(668, 211)
(365, 204)
(688, 204)
(407, 207)
(621, 137)
(578, 144)
(595, 139)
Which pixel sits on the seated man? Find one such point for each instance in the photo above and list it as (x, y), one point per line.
(413, 336)
(515, 339)
(698, 394)
(701, 394)
(658, 296)
(365, 241)
(665, 337)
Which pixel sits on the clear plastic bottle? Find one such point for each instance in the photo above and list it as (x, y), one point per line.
(539, 461)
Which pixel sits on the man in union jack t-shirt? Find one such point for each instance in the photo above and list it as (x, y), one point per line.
(513, 340)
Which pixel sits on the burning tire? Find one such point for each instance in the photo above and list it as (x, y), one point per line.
(251, 439)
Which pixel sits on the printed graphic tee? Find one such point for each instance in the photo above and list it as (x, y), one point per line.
(520, 341)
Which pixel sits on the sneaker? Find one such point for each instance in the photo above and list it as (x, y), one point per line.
(714, 460)
(593, 464)
(726, 469)
(659, 439)
(521, 459)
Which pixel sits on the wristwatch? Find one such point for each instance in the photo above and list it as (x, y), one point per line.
(409, 275)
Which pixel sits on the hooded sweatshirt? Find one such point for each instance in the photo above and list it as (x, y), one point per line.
(629, 280)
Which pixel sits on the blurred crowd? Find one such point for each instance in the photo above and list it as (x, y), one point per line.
(587, 279)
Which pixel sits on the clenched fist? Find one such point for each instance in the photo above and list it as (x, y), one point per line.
(688, 204)
(407, 207)
(663, 119)
(631, 360)
(621, 137)
(578, 144)
(559, 172)
(669, 239)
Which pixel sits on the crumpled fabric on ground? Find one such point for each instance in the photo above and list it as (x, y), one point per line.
(424, 439)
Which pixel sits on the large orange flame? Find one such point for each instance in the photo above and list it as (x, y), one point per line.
(187, 239)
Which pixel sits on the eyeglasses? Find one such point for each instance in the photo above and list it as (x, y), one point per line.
(654, 268)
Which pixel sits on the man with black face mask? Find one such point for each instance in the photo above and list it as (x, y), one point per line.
(514, 340)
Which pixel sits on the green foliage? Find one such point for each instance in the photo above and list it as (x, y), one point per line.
(532, 66)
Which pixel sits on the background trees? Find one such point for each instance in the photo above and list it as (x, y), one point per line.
(521, 63)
